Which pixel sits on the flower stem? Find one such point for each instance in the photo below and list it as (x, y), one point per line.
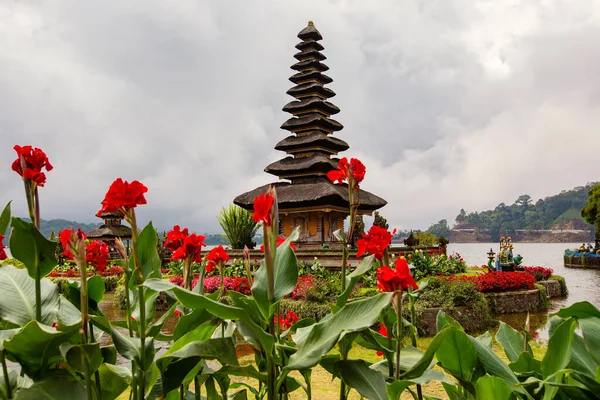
(96, 373)
(201, 279)
(398, 307)
(6, 377)
(197, 392)
(142, 304)
(269, 264)
(391, 365)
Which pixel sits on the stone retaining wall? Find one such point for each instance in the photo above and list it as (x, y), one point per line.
(514, 302)
(470, 321)
(552, 288)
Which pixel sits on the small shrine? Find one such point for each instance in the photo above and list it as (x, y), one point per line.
(111, 229)
(504, 261)
(306, 198)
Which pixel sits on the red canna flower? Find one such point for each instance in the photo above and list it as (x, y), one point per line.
(191, 247)
(355, 170)
(55, 325)
(286, 322)
(35, 159)
(175, 238)
(389, 280)
(3, 255)
(383, 332)
(374, 242)
(178, 313)
(123, 196)
(262, 209)
(280, 241)
(96, 254)
(66, 240)
(216, 256)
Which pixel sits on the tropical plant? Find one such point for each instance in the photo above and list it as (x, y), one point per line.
(238, 226)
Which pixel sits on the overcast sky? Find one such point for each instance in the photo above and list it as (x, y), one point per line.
(450, 103)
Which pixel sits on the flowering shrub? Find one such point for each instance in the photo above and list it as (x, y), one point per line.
(539, 273)
(286, 321)
(67, 271)
(305, 283)
(433, 263)
(502, 281)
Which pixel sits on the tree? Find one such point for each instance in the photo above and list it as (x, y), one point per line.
(238, 225)
(524, 200)
(441, 228)
(462, 216)
(591, 212)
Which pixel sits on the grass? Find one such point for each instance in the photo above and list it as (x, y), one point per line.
(324, 388)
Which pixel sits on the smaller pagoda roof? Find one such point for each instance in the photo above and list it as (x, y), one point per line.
(306, 44)
(311, 88)
(310, 33)
(310, 54)
(314, 139)
(290, 166)
(320, 192)
(110, 231)
(309, 76)
(311, 120)
(114, 214)
(311, 103)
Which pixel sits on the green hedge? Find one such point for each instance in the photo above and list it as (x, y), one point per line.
(306, 309)
(14, 262)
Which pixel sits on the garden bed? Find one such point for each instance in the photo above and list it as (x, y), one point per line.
(470, 320)
(553, 288)
(515, 302)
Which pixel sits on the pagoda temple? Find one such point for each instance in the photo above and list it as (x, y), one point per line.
(306, 197)
(110, 230)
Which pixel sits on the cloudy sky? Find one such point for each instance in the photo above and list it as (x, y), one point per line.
(450, 103)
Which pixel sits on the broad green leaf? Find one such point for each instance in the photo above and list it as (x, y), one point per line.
(409, 357)
(357, 374)
(96, 290)
(185, 362)
(492, 387)
(559, 348)
(131, 348)
(526, 365)
(68, 314)
(113, 380)
(395, 389)
(317, 340)
(191, 321)
(30, 247)
(582, 309)
(149, 305)
(148, 254)
(457, 354)
(285, 276)
(352, 279)
(443, 320)
(17, 297)
(81, 356)
(512, 342)
(35, 346)
(425, 362)
(153, 330)
(453, 392)
(6, 334)
(5, 219)
(581, 358)
(494, 364)
(53, 388)
(485, 339)
(590, 329)
(197, 301)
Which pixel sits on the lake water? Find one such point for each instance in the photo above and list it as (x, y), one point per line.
(583, 284)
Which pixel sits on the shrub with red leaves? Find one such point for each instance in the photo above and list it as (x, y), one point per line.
(539, 273)
(502, 281)
(177, 280)
(305, 282)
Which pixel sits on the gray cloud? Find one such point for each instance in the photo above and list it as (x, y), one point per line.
(451, 104)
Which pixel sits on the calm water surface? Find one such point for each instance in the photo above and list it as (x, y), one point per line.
(583, 284)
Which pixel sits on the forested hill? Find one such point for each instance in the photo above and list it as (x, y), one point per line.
(57, 225)
(558, 212)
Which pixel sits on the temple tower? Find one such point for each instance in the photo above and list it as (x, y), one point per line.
(309, 199)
